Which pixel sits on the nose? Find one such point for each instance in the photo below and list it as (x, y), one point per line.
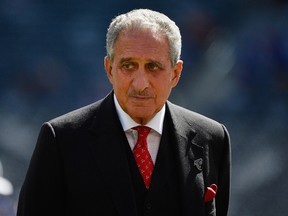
(140, 80)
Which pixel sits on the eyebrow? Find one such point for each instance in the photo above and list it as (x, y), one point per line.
(125, 59)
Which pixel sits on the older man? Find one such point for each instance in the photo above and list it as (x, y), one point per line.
(132, 153)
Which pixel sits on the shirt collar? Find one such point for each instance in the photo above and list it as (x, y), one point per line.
(156, 123)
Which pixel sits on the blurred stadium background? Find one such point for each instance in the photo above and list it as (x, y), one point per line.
(235, 56)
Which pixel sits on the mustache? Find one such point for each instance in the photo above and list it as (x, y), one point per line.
(144, 93)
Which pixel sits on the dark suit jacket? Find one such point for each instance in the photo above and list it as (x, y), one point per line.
(79, 166)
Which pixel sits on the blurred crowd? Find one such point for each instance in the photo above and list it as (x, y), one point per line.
(235, 70)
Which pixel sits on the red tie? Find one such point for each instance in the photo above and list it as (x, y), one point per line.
(142, 156)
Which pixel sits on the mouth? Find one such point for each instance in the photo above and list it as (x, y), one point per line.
(141, 98)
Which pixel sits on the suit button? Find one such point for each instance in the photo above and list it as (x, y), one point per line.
(148, 206)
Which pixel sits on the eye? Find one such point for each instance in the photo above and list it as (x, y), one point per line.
(128, 66)
(152, 66)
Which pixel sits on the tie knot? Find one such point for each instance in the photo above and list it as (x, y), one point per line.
(143, 131)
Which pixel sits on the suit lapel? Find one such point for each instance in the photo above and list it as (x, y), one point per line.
(190, 158)
(108, 148)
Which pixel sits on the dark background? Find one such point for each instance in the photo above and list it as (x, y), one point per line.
(235, 56)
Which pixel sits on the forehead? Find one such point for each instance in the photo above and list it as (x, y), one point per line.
(142, 43)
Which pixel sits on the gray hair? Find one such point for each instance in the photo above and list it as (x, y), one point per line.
(145, 18)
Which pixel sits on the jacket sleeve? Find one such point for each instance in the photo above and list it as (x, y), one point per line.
(42, 191)
(222, 198)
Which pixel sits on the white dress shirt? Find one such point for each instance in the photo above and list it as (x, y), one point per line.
(156, 125)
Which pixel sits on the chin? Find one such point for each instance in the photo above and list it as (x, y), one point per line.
(141, 117)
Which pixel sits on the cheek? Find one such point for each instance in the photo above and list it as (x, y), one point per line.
(165, 85)
(120, 84)
(163, 91)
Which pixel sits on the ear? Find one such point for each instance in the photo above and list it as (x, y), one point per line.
(108, 68)
(177, 70)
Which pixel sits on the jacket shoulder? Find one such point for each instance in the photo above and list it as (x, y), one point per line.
(185, 118)
(76, 118)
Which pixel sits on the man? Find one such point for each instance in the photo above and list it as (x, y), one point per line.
(86, 162)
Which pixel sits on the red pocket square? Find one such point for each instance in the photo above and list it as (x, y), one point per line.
(210, 193)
